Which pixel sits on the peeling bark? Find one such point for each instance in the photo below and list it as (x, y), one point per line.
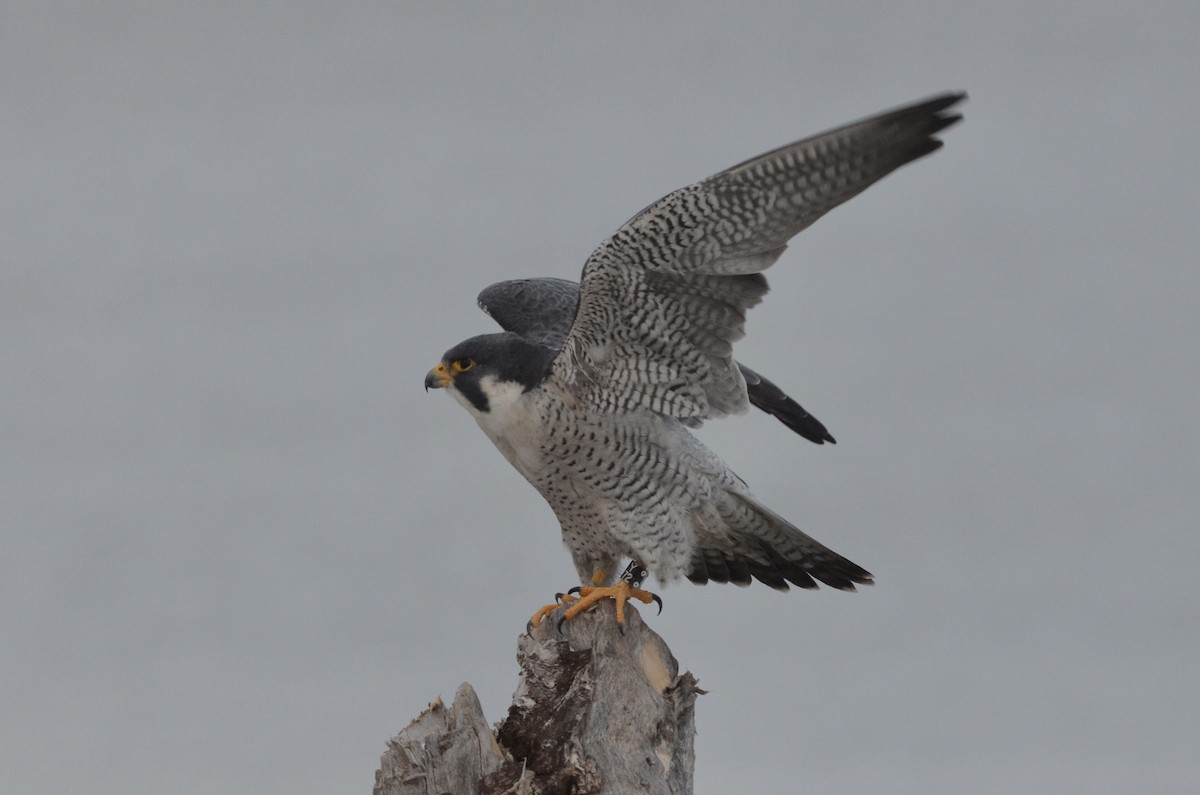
(595, 713)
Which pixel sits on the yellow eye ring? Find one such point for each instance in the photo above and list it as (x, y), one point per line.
(462, 365)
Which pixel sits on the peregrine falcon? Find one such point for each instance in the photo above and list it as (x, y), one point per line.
(591, 389)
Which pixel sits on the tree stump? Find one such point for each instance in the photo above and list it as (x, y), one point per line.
(595, 713)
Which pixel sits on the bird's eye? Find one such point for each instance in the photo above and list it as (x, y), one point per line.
(462, 365)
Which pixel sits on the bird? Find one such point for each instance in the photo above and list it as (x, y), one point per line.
(592, 389)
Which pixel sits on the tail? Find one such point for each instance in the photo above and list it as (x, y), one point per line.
(738, 538)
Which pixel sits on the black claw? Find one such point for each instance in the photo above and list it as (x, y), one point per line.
(562, 620)
(529, 627)
(574, 590)
(658, 601)
(558, 597)
(621, 628)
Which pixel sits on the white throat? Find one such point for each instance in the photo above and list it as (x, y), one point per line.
(512, 422)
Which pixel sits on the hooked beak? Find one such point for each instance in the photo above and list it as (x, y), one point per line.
(438, 378)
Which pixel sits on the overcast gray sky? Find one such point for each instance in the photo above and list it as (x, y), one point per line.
(241, 547)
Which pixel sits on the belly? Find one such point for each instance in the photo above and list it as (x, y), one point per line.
(624, 485)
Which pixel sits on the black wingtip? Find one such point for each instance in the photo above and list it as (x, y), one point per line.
(768, 397)
(923, 119)
(940, 120)
(936, 104)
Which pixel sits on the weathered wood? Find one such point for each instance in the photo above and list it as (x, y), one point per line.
(595, 713)
(441, 751)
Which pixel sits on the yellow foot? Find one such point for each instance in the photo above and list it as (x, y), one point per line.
(560, 600)
(622, 592)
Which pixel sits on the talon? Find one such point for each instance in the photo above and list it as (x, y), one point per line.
(621, 592)
(582, 597)
(545, 610)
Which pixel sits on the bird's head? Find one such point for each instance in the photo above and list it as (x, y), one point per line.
(479, 370)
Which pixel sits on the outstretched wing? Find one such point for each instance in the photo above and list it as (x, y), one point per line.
(664, 299)
(542, 310)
